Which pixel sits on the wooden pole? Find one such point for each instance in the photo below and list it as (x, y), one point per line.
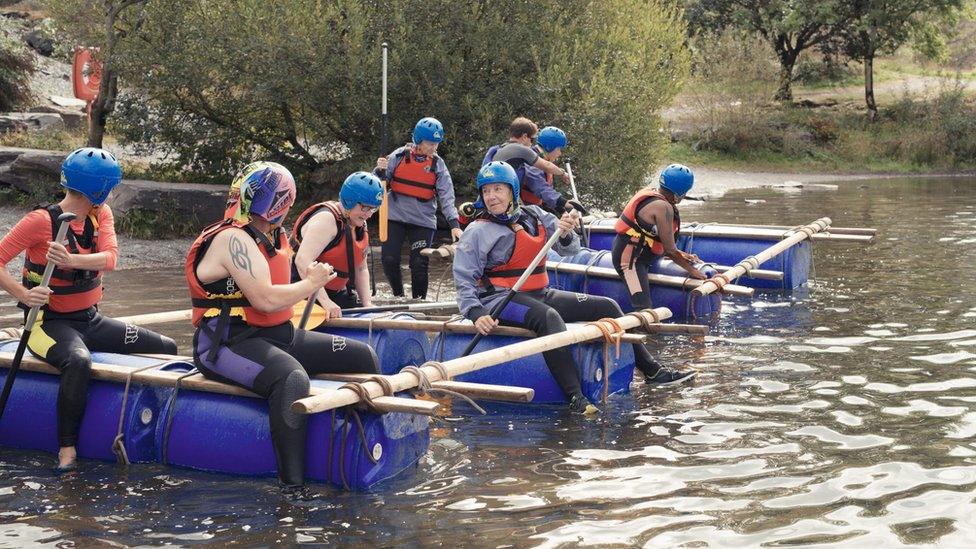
(484, 391)
(458, 328)
(455, 367)
(863, 231)
(741, 268)
(713, 230)
(443, 252)
(658, 279)
(159, 378)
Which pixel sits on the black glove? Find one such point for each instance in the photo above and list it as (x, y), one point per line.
(467, 209)
(574, 205)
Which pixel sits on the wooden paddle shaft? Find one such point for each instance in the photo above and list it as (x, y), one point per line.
(657, 279)
(741, 268)
(458, 366)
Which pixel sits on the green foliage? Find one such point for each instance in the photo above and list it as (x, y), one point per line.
(16, 68)
(221, 83)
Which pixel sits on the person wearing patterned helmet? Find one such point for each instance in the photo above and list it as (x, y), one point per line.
(335, 232)
(69, 327)
(417, 179)
(239, 275)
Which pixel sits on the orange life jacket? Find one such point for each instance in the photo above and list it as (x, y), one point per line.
(628, 223)
(529, 197)
(523, 252)
(349, 245)
(413, 178)
(223, 297)
(71, 289)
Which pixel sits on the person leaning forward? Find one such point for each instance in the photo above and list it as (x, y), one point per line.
(415, 174)
(493, 253)
(239, 273)
(336, 233)
(69, 327)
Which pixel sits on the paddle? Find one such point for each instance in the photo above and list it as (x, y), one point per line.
(311, 315)
(500, 306)
(385, 206)
(584, 235)
(63, 221)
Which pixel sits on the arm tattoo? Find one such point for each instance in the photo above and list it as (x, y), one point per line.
(238, 254)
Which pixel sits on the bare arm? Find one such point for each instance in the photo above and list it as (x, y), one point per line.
(316, 233)
(235, 254)
(661, 216)
(362, 285)
(550, 168)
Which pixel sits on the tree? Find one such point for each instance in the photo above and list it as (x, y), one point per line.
(878, 27)
(212, 85)
(16, 67)
(119, 21)
(789, 26)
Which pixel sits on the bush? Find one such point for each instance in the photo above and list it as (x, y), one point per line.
(16, 68)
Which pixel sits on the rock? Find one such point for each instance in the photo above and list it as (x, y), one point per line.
(71, 102)
(755, 201)
(73, 118)
(191, 204)
(40, 43)
(39, 121)
(32, 171)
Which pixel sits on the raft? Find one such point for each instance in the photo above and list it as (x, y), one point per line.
(683, 304)
(209, 431)
(728, 245)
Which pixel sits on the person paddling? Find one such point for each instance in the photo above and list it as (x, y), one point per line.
(69, 327)
(415, 175)
(646, 232)
(238, 271)
(493, 253)
(335, 233)
(534, 165)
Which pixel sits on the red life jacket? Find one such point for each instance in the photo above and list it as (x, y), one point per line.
(413, 178)
(523, 252)
(349, 244)
(628, 223)
(71, 289)
(222, 298)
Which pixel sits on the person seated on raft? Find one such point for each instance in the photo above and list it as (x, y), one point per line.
(239, 274)
(335, 233)
(646, 230)
(69, 327)
(495, 250)
(534, 167)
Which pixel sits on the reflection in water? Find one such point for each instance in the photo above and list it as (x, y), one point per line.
(841, 415)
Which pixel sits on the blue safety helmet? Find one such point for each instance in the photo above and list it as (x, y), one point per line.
(428, 129)
(91, 171)
(498, 172)
(361, 188)
(678, 179)
(551, 138)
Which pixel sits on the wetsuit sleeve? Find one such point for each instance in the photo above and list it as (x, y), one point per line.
(535, 182)
(551, 223)
(34, 228)
(445, 193)
(107, 242)
(470, 260)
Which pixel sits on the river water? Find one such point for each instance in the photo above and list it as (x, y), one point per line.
(841, 415)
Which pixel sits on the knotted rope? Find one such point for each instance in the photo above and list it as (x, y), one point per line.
(612, 332)
(425, 386)
(118, 443)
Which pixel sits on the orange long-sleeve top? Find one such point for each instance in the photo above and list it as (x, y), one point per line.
(33, 233)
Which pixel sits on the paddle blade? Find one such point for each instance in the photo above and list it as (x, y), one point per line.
(314, 320)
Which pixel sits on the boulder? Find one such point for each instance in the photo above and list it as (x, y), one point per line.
(32, 171)
(43, 45)
(72, 118)
(191, 205)
(37, 121)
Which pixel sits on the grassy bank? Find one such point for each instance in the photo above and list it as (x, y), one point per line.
(935, 133)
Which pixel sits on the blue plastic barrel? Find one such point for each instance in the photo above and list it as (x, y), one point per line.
(532, 372)
(394, 348)
(684, 306)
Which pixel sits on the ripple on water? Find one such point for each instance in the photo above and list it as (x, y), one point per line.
(948, 336)
(930, 409)
(934, 386)
(843, 442)
(945, 358)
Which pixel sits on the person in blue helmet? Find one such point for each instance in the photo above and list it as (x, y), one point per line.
(69, 327)
(646, 231)
(537, 187)
(335, 233)
(416, 176)
(534, 166)
(497, 247)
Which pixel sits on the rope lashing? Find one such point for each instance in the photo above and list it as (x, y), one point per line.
(118, 443)
(647, 318)
(425, 386)
(363, 394)
(170, 406)
(609, 336)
